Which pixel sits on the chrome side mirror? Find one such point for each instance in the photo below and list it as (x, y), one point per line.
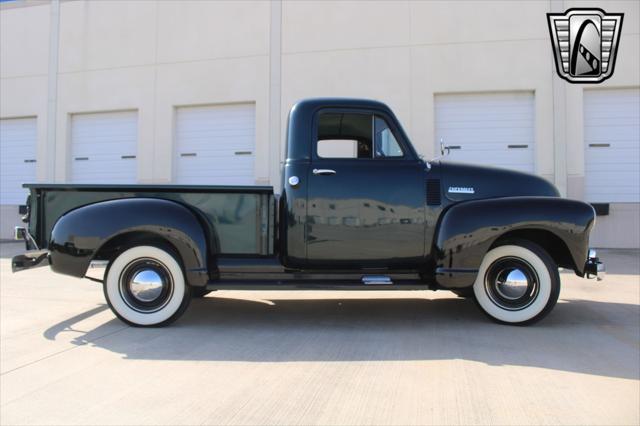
(444, 150)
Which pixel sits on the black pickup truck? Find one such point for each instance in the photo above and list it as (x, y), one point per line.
(359, 210)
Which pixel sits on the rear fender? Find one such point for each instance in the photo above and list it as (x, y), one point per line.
(79, 234)
(467, 230)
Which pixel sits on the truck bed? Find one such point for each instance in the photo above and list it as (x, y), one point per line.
(243, 216)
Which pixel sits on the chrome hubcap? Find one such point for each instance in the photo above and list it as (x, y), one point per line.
(146, 285)
(512, 283)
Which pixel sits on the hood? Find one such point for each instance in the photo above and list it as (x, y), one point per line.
(467, 182)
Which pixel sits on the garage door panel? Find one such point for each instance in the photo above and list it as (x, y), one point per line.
(204, 142)
(235, 122)
(613, 134)
(220, 153)
(496, 150)
(607, 157)
(626, 177)
(499, 138)
(219, 171)
(492, 129)
(17, 158)
(611, 116)
(84, 168)
(612, 119)
(215, 145)
(216, 133)
(476, 103)
(98, 143)
(612, 197)
(503, 159)
(464, 130)
(622, 96)
(462, 113)
(14, 156)
(105, 151)
(108, 163)
(487, 124)
(503, 147)
(229, 165)
(497, 98)
(90, 138)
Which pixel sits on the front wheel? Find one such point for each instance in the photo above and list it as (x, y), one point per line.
(145, 286)
(517, 283)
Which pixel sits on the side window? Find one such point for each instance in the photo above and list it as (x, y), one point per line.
(338, 148)
(355, 135)
(344, 135)
(385, 142)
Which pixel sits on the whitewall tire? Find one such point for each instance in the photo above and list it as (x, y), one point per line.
(517, 283)
(145, 286)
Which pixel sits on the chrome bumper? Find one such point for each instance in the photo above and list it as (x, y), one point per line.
(33, 257)
(593, 268)
(30, 259)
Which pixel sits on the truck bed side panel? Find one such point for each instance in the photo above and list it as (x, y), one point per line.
(241, 215)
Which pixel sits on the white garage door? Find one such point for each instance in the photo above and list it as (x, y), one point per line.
(488, 129)
(215, 145)
(612, 143)
(17, 158)
(104, 147)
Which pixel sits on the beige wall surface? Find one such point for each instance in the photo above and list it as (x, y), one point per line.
(9, 218)
(154, 56)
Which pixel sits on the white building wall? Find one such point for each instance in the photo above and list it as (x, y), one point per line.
(23, 83)
(153, 56)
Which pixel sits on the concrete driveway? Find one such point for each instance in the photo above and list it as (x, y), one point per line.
(319, 357)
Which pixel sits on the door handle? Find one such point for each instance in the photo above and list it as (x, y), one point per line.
(324, 172)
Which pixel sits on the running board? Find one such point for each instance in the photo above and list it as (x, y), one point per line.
(325, 284)
(271, 285)
(376, 280)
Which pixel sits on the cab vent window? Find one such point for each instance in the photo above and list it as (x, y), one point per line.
(386, 144)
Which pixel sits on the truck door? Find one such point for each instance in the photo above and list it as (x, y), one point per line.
(366, 193)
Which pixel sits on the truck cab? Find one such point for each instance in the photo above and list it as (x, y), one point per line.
(354, 189)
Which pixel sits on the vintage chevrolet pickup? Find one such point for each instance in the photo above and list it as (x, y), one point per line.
(359, 210)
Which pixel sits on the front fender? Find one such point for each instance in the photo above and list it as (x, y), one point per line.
(467, 230)
(79, 234)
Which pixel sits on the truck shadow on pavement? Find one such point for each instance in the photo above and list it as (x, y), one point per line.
(578, 336)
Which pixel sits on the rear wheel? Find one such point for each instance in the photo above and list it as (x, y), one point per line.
(145, 286)
(517, 283)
